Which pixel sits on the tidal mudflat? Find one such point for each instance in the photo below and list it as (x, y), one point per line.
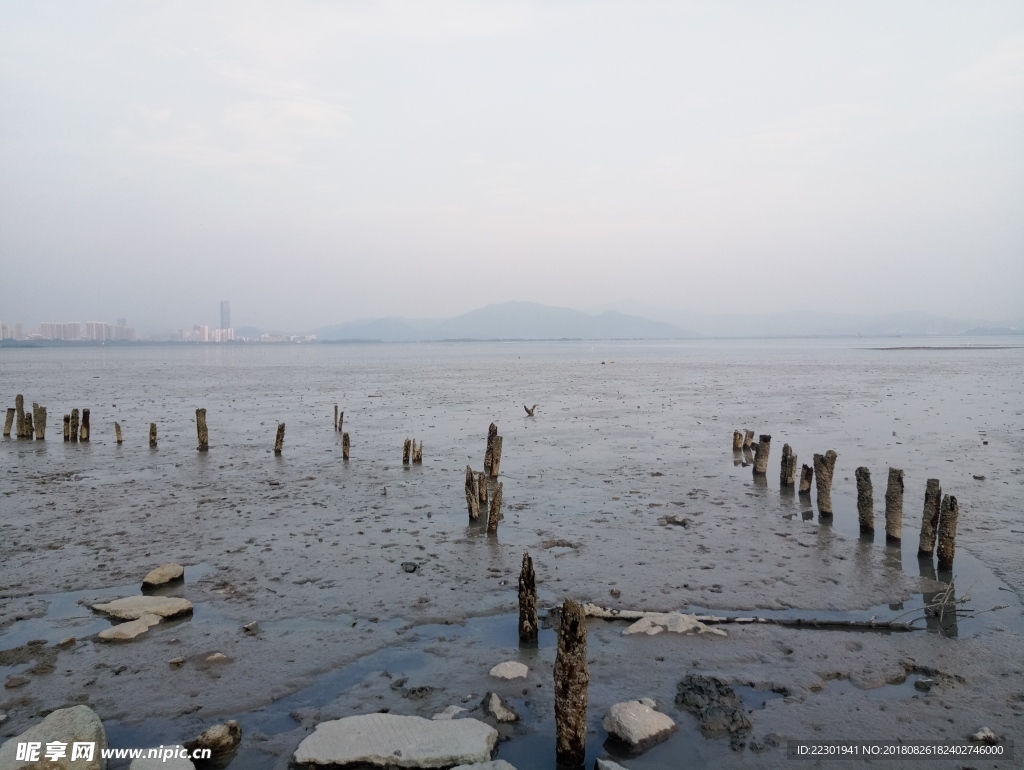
(628, 438)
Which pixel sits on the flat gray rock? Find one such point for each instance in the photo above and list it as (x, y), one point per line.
(497, 709)
(162, 575)
(393, 741)
(134, 607)
(638, 725)
(494, 764)
(607, 764)
(162, 764)
(78, 724)
(133, 629)
(510, 669)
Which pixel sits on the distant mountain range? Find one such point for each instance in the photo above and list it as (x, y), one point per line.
(532, 321)
(508, 321)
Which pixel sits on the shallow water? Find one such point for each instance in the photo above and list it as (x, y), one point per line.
(315, 557)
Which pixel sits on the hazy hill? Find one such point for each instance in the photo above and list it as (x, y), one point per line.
(508, 321)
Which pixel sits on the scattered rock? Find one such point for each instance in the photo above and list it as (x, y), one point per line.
(638, 725)
(676, 622)
(15, 682)
(510, 669)
(76, 724)
(393, 741)
(715, 704)
(979, 477)
(162, 575)
(497, 709)
(217, 657)
(219, 739)
(449, 713)
(163, 764)
(134, 607)
(657, 473)
(986, 736)
(251, 628)
(607, 764)
(176, 662)
(67, 641)
(494, 764)
(133, 629)
(677, 519)
(409, 566)
(924, 684)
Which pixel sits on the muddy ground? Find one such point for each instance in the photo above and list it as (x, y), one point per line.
(312, 548)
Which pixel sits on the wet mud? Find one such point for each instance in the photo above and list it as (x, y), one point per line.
(317, 550)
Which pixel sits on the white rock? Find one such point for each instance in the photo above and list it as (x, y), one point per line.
(636, 724)
(162, 764)
(134, 607)
(607, 764)
(166, 573)
(75, 724)
(125, 632)
(985, 735)
(217, 657)
(676, 622)
(498, 710)
(393, 741)
(449, 713)
(510, 669)
(494, 764)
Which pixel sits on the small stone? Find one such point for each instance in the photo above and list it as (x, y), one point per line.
(510, 669)
(15, 682)
(251, 628)
(162, 575)
(607, 764)
(494, 764)
(986, 736)
(67, 641)
(638, 725)
(219, 739)
(126, 632)
(409, 566)
(497, 709)
(176, 662)
(449, 713)
(924, 685)
(217, 657)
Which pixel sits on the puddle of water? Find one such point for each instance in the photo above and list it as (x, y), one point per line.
(889, 692)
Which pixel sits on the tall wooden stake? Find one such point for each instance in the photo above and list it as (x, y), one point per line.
(528, 623)
(948, 518)
(787, 472)
(152, 435)
(865, 500)
(761, 455)
(894, 506)
(472, 495)
(824, 465)
(572, 680)
(117, 432)
(84, 432)
(201, 430)
(9, 421)
(930, 518)
(495, 512)
(279, 441)
(344, 446)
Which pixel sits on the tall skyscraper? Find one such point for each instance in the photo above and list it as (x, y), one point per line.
(225, 314)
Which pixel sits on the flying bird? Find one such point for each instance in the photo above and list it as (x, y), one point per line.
(529, 409)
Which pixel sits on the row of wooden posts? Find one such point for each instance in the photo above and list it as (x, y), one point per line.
(938, 522)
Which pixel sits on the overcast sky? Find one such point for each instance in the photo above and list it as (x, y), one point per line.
(324, 161)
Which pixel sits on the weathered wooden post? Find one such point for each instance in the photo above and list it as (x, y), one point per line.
(67, 427)
(572, 679)
(492, 431)
(472, 495)
(761, 455)
(74, 426)
(737, 441)
(39, 415)
(84, 432)
(482, 487)
(203, 433)
(748, 439)
(417, 452)
(406, 452)
(279, 441)
(894, 507)
(930, 518)
(19, 408)
(344, 446)
(335, 416)
(117, 432)
(496, 457)
(495, 513)
(9, 421)
(787, 472)
(528, 623)
(29, 427)
(152, 435)
(341, 422)
(806, 477)
(948, 517)
(824, 465)
(865, 500)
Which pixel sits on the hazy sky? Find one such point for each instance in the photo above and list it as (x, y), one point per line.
(323, 161)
